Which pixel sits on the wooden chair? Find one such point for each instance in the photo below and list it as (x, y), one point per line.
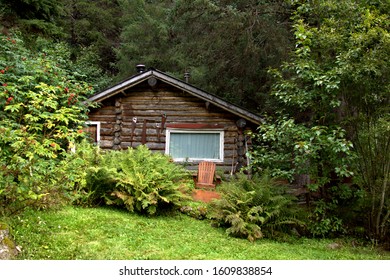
(206, 178)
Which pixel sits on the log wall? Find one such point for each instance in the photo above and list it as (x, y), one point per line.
(149, 105)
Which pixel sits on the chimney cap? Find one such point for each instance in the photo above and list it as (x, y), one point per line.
(140, 68)
(187, 75)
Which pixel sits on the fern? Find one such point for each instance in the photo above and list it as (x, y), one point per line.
(253, 208)
(140, 180)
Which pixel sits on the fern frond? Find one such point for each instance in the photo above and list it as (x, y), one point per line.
(150, 179)
(249, 206)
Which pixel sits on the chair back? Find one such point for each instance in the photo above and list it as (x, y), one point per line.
(206, 172)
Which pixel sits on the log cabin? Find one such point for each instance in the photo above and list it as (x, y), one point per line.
(171, 116)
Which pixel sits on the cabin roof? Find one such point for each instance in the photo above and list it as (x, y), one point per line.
(207, 97)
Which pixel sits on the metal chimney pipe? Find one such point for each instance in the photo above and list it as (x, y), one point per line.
(140, 68)
(187, 75)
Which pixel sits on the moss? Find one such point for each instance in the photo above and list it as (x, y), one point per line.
(9, 243)
(3, 226)
(6, 240)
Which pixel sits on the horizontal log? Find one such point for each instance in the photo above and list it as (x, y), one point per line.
(183, 117)
(138, 138)
(106, 144)
(106, 131)
(151, 146)
(139, 100)
(173, 114)
(168, 104)
(161, 93)
(102, 118)
(194, 126)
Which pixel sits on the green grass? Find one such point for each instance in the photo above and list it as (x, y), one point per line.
(110, 234)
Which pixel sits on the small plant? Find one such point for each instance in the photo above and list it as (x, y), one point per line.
(337, 210)
(253, 208)
(139, 180)
(322, 222)
(197, 210)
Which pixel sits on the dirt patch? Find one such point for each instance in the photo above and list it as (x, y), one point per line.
(205, 195)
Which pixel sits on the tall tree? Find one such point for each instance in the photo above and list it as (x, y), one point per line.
(39, 16)
(340, 63)
(93, 26)
(228, 45)
(145, 36)
(338, 77)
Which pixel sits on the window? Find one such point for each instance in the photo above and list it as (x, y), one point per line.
(93, 129)
(195, 144)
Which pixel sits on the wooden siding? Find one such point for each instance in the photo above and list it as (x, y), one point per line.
(148, 105)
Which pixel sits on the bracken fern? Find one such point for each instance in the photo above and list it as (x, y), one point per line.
(141, 180)
(252, 208)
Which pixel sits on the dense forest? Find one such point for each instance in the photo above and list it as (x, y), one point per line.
(318, 71)
(227, 46)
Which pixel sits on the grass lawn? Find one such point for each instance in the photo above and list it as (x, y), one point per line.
(110, 234)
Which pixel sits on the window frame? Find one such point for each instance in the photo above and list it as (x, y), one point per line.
(98, 125)
(220, 131)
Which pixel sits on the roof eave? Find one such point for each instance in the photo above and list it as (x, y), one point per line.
(120, 87)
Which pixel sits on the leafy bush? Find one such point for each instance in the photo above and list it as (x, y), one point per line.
(323, 221)
(41, 115)
(139, 180)
(337, 211)
(316, 157)
(253, 208)
(288, 148)
(74, 171)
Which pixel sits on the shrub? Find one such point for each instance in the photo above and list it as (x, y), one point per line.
(323, 220)
(287, 148)
(74, 171)
(41, 114)
(372, 143)
(139, 180)
(253, 208)
(337, 211)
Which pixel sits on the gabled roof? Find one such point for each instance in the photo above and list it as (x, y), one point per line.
(207, 97)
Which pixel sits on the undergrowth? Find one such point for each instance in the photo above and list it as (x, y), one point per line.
(139, 180)
(254, 208)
